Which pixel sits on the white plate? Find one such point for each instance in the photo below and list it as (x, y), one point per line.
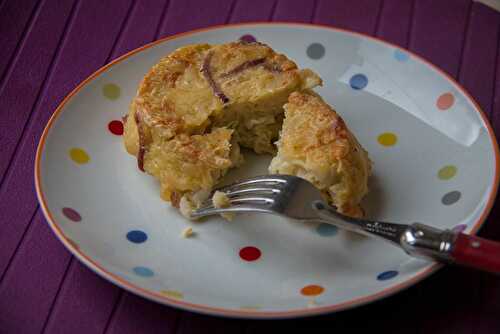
(435, 161)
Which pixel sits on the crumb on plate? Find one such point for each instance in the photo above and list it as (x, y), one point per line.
(188, 232)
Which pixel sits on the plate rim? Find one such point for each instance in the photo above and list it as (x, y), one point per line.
(254, 314)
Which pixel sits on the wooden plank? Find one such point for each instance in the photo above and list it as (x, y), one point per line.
(199, 15)
(295, 10)
(191, 323)
(27, 75)
(16, 17)
(138, 315)
(83, 51)
(438, 29)
(395, 21)
(489, 285)
(30, 285)
(359, 15)
(84, 303)
(255, 10)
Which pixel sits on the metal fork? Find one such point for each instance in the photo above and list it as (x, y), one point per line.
(296, 198)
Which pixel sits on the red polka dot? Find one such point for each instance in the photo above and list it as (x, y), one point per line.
(445, 101)
(116, 127)
(250, 253)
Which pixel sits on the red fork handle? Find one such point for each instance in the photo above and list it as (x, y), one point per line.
(476, 252)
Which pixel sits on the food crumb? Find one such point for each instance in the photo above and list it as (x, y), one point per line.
(188, 232)
(221, 200)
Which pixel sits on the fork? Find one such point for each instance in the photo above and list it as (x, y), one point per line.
(296, 198)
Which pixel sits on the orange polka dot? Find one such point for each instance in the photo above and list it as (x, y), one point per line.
(445, 101)
(312, 290)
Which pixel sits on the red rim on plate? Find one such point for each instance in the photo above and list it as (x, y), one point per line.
(96, 267)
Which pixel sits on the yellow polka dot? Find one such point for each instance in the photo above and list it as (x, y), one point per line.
(79, 156)
(111, 91)
(387, 139)
(447, 172)
(172, 294)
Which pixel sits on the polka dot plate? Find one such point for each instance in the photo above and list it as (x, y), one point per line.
(435, 161)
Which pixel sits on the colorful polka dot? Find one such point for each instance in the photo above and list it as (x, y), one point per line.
(143, 271)
(447, 172)
(459, 228)
(72, 214)
(79, 156)
(315, 51)
(386, 275)
(401, 56)
(451, 198)
(326, 230)
(172, 294)
(312, 290)
(250, 253)
(116, 127)
(358, 81)
(137, 236)
(248, 38)
(445, 101)
(387, 139)
(111, 91)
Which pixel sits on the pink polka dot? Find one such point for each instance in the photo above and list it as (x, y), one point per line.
(445, 101)
(250, 253)
(71, 214)
(459, 228)
(116, 127)
(248, 38)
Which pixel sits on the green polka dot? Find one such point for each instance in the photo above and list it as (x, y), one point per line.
(447, 172)
(111, 91)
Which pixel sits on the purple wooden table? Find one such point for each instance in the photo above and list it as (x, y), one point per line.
(47, 47)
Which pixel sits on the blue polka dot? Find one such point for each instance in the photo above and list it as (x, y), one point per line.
(143, 271)
(358, 81)
(401, 55)
(137, 236)
(326, 230)
(387, 275)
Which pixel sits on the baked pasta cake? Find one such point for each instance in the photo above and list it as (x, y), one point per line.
(315, 144)
(196, 106)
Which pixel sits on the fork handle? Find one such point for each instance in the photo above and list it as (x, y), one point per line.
(476, 252)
